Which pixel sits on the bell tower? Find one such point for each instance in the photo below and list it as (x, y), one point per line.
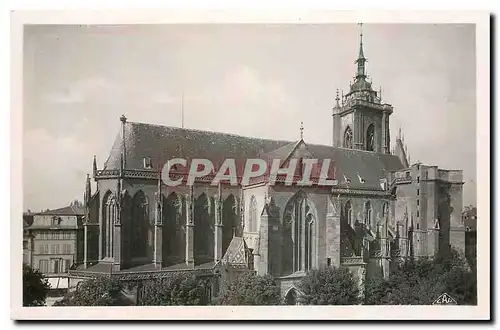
(361, 120)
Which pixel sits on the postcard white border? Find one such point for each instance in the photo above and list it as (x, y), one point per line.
(480, 18)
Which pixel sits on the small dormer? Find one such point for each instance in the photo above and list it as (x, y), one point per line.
(147, 163)
(56, 220)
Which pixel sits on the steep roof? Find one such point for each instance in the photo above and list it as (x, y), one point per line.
(27, 219)
(162, 143)
(364, 169)
(237, 252)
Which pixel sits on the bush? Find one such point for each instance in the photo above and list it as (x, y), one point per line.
(100, 291)
(329, 286)
(35, 287)
(375, 290)
(177, 289)
(250, 289)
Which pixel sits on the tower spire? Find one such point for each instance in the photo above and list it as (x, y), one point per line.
(301, 130)
(361, 56)
(337, 99)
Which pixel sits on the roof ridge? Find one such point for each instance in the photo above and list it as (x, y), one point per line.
(213, 132)
(246, 136)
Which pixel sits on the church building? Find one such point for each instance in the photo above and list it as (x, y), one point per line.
(381, 208)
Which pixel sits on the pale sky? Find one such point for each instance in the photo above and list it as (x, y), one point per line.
(255, 80)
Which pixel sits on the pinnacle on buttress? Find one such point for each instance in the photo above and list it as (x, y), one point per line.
(337, 99)
(88, 191)
(94, 167)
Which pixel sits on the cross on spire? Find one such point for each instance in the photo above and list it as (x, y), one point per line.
(301, 130)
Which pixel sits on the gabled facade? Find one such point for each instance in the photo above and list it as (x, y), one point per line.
(53, 239)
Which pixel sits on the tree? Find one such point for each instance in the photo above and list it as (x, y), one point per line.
(329, 286)
(35, 287)
(176, 289)
(251, 289)
(421, 281)
(100, 291)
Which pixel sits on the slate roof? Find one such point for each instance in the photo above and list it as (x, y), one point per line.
(237, 252)
(370, 166)
(102, 267)
(162, 143)
(27, 219)
(68, 210)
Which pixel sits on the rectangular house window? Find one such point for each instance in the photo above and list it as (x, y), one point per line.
(56, 265)
(65, 265)
(43, 266)
(67, 248)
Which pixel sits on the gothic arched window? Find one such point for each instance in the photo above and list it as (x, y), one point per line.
(348, 213)
(139, 225)
(348, 138)
(109, 214)
(370, 138)
(385, 210)
(368, 214)
(252, 215)
(203, 229)
(174, 234)
(299, 231)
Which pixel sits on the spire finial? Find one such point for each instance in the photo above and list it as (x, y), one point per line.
(123, 119)
(94, 167)
(301, 130)
(337, 98)
(361, 54)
